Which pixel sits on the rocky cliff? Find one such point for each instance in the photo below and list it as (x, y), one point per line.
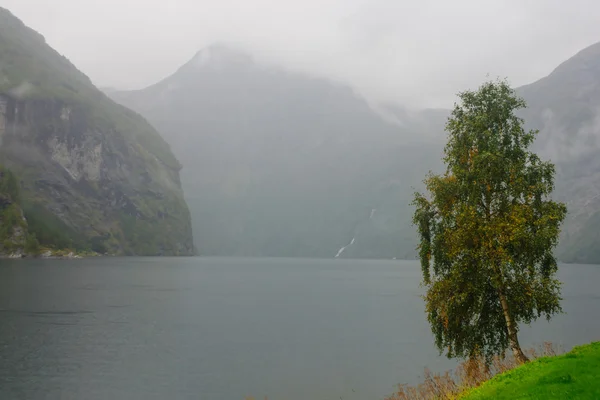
(93, 174)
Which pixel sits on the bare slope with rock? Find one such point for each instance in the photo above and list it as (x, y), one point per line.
(93, 174)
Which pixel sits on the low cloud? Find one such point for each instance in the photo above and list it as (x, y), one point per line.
(413, 52)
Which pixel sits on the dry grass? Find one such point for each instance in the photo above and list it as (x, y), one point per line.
(468, 374)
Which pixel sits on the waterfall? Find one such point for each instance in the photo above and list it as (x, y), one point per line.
(340, 251)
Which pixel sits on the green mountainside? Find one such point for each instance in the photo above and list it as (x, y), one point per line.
(93, 174)
(15, 240)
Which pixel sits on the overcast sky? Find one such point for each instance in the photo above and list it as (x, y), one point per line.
(418, 52)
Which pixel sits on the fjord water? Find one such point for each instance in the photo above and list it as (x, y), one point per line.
(225, 328)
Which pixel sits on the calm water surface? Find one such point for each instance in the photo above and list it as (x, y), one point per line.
(222, 329)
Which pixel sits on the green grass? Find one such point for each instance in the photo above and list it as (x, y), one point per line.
(575, 375)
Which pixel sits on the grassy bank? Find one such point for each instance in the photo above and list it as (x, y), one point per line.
(467, 375)
(575, 375)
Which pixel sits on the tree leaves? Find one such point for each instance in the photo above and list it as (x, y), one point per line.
(488, 227)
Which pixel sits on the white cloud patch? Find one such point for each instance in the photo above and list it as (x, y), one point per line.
(413, 52)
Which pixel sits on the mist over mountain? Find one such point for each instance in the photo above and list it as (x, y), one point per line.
(282, 164)
(565, 107)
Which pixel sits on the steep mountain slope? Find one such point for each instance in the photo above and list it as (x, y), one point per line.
(14, 236)
(565, 106)
(94, 174)
(282, 164)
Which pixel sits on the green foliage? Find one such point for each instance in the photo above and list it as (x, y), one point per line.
(49, 230)
(10, 212)
(9, 185)
(32, 246)
(10, 218)
(145, 237)
(99, 245)
(575, 375)
(488, 230)
(8, 245)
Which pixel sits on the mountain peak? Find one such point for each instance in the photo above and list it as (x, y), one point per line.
(575, 79)
(586, 62)
(219, 55)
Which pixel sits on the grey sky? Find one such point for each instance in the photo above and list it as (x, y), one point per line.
(418, 52)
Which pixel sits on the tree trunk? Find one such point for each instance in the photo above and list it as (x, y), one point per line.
(513, 340)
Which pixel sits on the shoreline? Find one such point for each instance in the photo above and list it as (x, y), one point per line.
(51, 255)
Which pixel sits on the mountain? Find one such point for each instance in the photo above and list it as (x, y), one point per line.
(565, 106)
(92, 174)
(277, 163)
(14, 235)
